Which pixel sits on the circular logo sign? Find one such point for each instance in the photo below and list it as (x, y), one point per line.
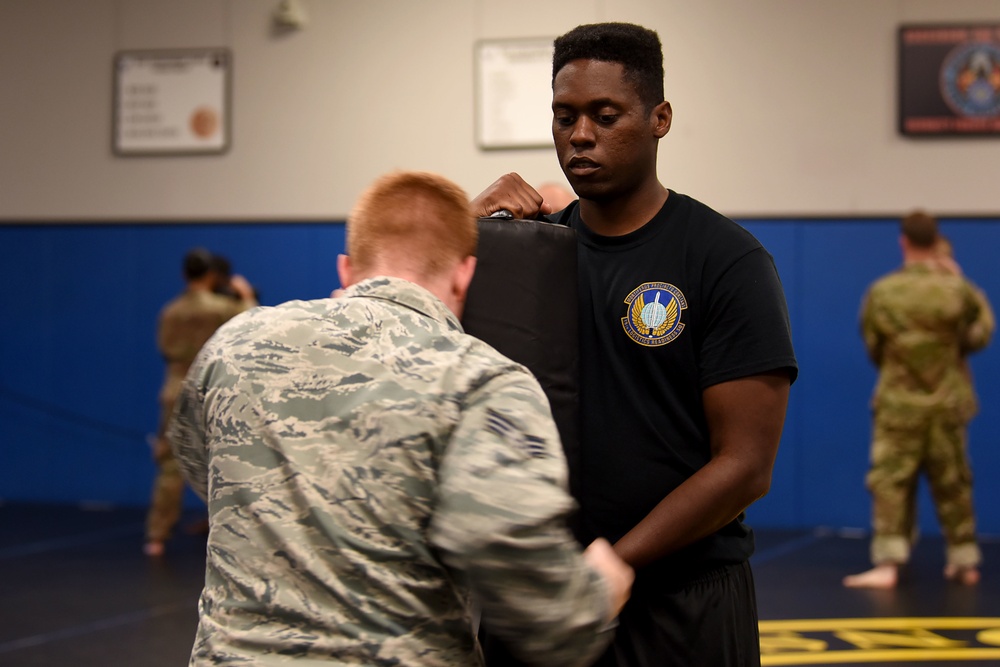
(970, 79)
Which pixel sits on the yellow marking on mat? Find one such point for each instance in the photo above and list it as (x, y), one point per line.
(874, 640)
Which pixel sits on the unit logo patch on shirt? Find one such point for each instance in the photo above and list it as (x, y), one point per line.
(653, 317)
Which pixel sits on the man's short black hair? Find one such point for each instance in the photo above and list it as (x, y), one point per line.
(197, 263)
(222, 266)
(637, 49)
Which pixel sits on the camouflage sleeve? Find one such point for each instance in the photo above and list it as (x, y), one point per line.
(186, 430)
(981, 329)
(163, 335)
(242, 306)
(869, 329)
(500, 521)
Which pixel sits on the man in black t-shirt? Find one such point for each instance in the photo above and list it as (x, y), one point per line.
(686, 359)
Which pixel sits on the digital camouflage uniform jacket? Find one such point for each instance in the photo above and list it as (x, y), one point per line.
(919, 323)
(367, 466)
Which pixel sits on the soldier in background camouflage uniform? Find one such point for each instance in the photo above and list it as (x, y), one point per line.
(183, 327)
(919, 323)
(368, 467)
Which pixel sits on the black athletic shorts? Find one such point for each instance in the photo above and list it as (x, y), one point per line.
(709, 622)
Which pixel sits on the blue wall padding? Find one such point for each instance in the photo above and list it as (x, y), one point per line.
(79, 371)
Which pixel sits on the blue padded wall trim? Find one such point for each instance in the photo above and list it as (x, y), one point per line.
(79, 370)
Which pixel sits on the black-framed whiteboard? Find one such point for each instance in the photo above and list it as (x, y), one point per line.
(514, 93)
(172, 102)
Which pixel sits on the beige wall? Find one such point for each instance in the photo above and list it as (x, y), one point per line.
(781, 107)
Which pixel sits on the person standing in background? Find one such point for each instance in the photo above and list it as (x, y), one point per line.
(223, 270)
(184, 325)
(919, 324)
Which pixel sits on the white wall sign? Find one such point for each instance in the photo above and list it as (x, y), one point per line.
(171, 102)
(514, 93)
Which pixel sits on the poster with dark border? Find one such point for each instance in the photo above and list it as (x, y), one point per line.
(949, 80)
(171, 102)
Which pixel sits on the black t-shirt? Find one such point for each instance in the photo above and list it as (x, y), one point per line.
(689, 300)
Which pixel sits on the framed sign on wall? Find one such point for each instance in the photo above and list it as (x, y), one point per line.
(173, 102)
(949, 80)
(514, 93)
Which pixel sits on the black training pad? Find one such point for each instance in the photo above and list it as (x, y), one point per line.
(523, 302)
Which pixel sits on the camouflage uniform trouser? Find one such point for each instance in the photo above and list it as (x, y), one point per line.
(168, 489)
(935, 446)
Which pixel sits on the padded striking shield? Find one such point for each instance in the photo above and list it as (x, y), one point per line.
(523, 302)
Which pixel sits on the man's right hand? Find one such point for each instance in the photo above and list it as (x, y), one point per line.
(243, 289)
(949, 264)
(618, 574)
(510, 192)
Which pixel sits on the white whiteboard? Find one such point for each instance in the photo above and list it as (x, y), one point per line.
(514, 93)
(171, 102)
